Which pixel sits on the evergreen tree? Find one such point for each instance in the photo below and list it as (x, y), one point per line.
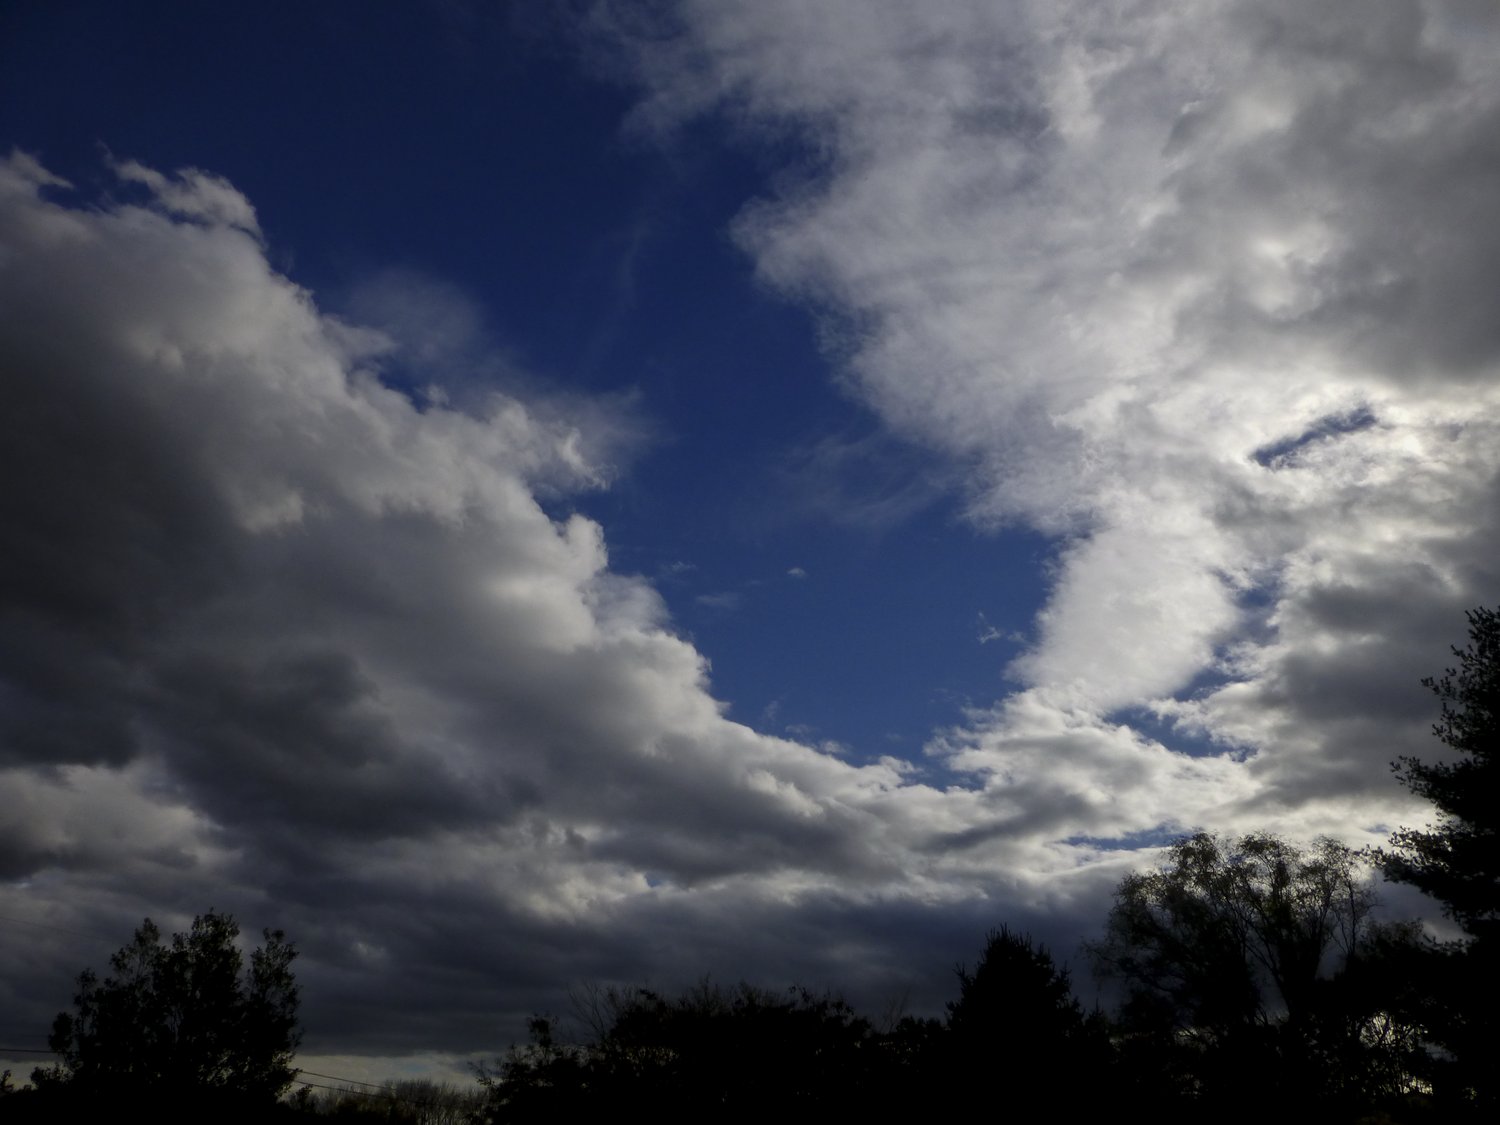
(1016, 1020)
(1457, 861)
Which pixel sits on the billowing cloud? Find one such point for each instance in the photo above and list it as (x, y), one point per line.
(1206, 292)
(283, 638)
(287, 628)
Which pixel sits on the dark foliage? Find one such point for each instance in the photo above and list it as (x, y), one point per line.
(1232, 936)
(1457, 862)
(1248, 976)
(180, 1024)
(741, 1051)
(747, 1052)
(1017, 1021)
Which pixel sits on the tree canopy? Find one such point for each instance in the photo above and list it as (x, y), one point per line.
(1457, 861)
(1228, 936)
(1246, 967)
(706, 1051)
(183, 1018)
(1016, 1020)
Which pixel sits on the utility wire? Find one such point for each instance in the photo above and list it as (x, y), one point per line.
(336, 1078)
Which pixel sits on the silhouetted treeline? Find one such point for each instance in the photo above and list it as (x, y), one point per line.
(1015, 1038)
(746, 1049)
(1242, 1002)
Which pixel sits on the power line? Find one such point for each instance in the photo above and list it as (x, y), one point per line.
(345, 1090)
(337, 1078)
(380, 1090)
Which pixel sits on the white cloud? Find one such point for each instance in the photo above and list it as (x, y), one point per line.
(281, 640)
(193, 194)
(1204, 290)
(725, 600)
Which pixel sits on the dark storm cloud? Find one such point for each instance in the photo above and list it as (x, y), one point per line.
(286, 639)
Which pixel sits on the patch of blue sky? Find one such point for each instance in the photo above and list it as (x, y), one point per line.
(882, 642)
(1286, 452)
(821, 566)
(1159, 836)
(1172, 733)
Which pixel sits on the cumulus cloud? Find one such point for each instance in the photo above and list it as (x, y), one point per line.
(282, 637)
(193, 194)
(1203, 291)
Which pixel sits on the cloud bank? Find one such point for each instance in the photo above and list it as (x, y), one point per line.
(281, 638)
(1204, 293)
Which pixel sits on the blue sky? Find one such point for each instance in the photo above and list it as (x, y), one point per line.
(602, 264)
(524, 495)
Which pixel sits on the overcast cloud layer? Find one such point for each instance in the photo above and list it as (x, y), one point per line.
(1206, 291)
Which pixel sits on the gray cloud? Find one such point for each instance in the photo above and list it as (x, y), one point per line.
(1201, 290)
(281, 638)
(1204, 291)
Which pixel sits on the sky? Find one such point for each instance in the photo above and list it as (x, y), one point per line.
(524, 497)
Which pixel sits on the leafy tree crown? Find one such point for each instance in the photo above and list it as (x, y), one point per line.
(182, 1017)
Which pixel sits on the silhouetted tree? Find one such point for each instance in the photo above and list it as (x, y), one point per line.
(1457, 861)
(182, 1021)
(1017, 1021)
(1236, 960)
(1233, 935)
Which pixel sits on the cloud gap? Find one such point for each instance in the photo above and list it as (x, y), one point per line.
(1285, 453)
